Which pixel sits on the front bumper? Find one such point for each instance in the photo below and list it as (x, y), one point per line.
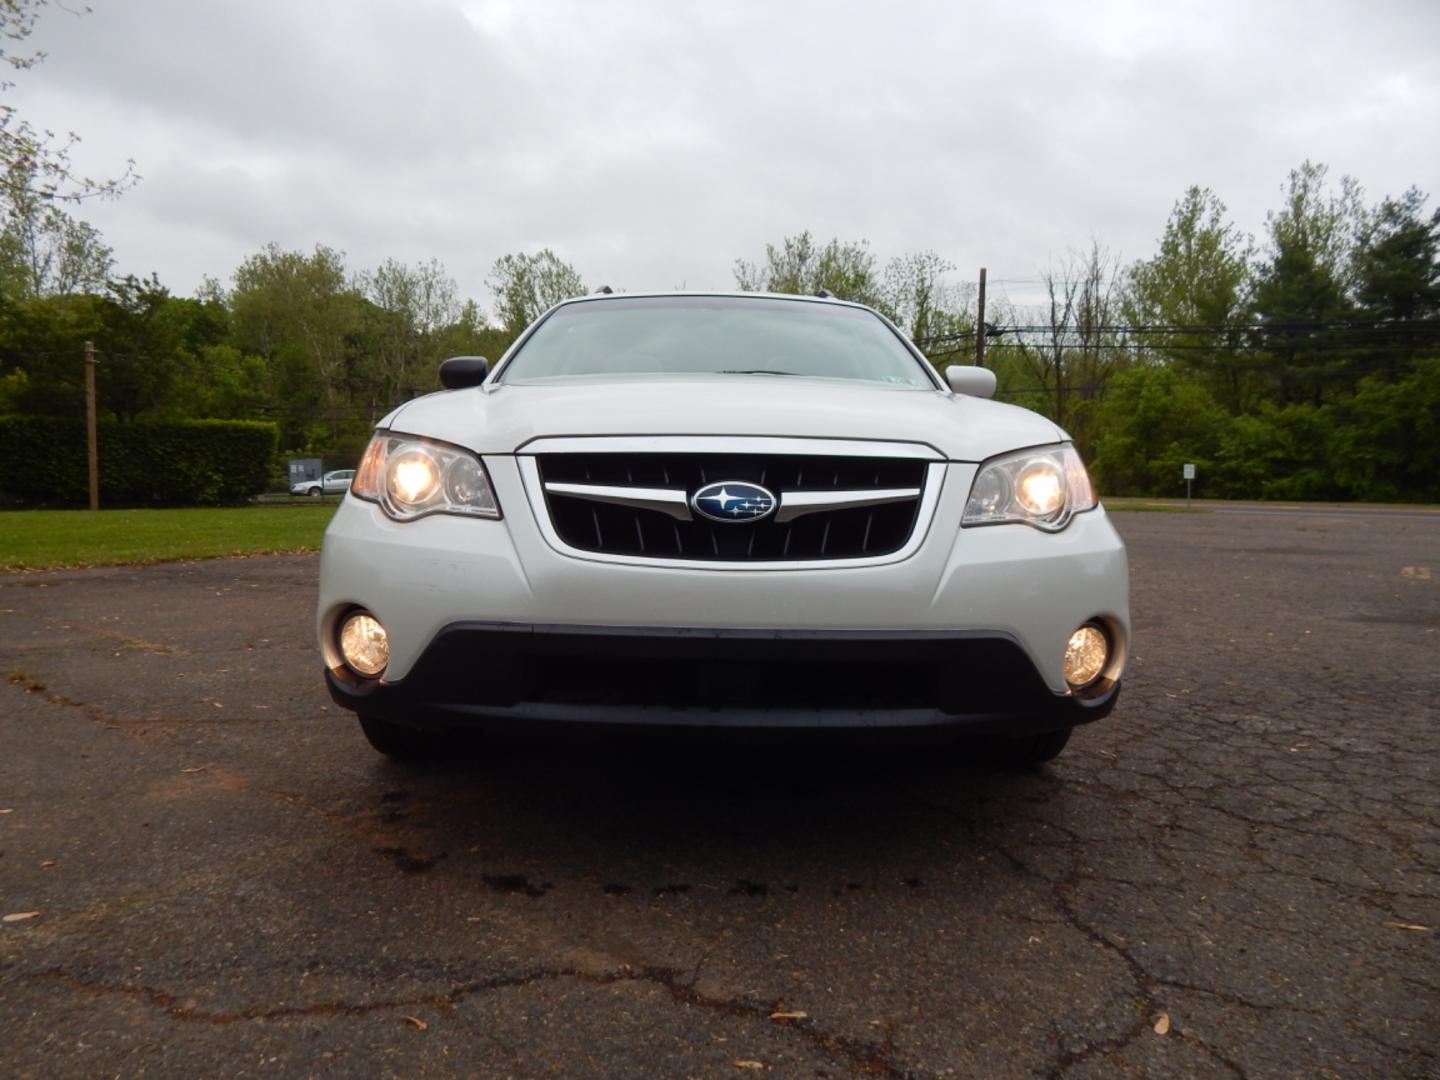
(457, 594)
(497, 675)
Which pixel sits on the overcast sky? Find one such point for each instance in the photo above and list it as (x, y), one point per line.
(652, 144)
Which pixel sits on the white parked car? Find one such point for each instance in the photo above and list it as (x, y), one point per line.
(332, 483)
(734, 510)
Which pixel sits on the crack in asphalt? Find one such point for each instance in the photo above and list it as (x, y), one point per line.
(1144, 982)
(1059, 887)
(1230, 851)
(1191, 1039)
(1067, 1059)
(867, 1057)
(872, 1059)
(25, 684)
(116, 637)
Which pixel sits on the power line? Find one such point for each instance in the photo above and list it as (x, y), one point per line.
(1332, 326)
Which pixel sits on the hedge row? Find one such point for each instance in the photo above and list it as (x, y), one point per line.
(43, 462)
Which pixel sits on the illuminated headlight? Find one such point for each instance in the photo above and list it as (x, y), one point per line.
(412, 477)
(1044, 487)
(364, 645)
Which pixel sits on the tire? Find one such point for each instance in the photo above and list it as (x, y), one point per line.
(397, 741)
(314, 493)
(1027, 750)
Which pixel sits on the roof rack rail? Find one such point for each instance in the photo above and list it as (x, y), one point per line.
(603, 290)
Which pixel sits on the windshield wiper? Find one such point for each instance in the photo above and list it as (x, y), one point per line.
(755, 371)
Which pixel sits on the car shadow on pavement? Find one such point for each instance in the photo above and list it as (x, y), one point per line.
(676, 815)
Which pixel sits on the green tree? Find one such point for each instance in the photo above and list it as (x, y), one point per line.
(1275, 452)
(1303, 283)
(1383, 443)
(917, 294)
(471, 335)
(301, 315)
(43, 157)
(14, 386)
(1152, 420)
(43, 250)
(1079, 344)
(1198, 280)
(219, 382)
(1397, 266)
(147, 343)
(845, 269)
(1397, 274)
(41, 343)
(411, 308)
(144, 340)
(526, 286)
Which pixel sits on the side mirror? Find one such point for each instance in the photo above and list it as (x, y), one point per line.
(461, 371)
(975, 381)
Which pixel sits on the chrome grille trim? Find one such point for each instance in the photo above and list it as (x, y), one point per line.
(727, 444)
(929, 494)
(794, 504)
(666, 500)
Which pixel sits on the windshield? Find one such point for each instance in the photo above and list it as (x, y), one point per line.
(706, 335)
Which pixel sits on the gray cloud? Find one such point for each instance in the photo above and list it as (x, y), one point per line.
(652, 144)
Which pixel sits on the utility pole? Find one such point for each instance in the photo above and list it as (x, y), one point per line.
(980, 323)
(92, 443)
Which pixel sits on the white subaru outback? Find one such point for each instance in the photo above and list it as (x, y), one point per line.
(734, 510)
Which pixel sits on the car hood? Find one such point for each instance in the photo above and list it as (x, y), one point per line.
(503, 418)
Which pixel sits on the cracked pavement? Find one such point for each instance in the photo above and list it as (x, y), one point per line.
(1237, 874)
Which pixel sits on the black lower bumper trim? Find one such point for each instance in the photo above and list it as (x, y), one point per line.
(521, 676)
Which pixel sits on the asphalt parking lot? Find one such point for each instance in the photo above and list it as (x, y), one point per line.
(1237, 874)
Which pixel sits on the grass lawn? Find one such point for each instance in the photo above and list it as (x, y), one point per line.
(48, 539)
(1152, 507)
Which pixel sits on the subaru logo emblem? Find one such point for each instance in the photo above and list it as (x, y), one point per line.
(732, 501)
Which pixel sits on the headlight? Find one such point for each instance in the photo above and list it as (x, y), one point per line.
(412, 477)
(1044, 487)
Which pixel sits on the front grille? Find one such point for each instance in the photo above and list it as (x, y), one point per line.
(843, 533)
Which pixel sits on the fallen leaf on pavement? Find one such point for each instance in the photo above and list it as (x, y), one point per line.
(1407, 926)
(47, 863)
(1162, 1026)
(743, 1063)
(20, 916)
(796, 1015)
(416, 1022)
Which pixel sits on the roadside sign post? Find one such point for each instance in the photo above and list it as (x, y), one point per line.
(1189, 479)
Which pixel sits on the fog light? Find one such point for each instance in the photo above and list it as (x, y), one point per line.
(1085, 655)
(364, 644)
